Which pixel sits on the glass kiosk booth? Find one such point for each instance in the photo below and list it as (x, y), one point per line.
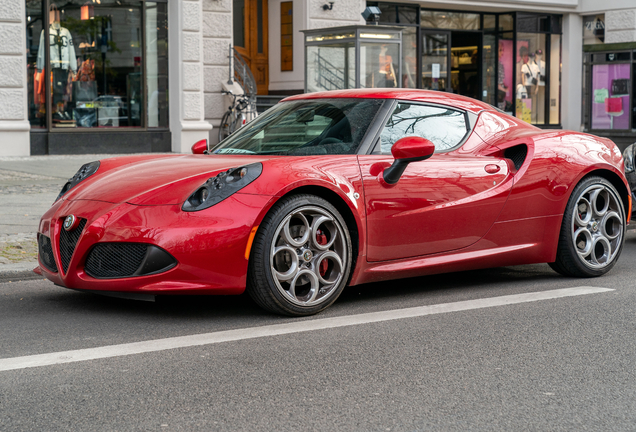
(360, 56)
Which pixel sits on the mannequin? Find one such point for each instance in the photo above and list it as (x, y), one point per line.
(386, 68)
(63, 63)
(540, 87)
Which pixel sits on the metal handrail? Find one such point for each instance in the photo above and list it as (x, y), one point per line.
(327, 78)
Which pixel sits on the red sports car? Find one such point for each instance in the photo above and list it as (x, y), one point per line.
(340, 188)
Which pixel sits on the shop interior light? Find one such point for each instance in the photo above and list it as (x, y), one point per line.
(87, 12)
(376, 36)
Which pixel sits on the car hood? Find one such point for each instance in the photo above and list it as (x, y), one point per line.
(163, 181)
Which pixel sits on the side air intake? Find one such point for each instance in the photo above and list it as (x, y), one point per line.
(517, 154)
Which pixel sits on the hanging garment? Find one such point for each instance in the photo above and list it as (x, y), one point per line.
(86, 71)
(38, 87)
(62, 51)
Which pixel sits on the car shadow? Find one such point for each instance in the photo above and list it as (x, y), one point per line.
(355, 299)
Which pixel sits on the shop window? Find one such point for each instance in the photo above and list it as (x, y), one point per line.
(379, 65)
(89, 59)
(157, 64)
(555, 79)
(36, 79)
(434, 61)
(610, 94)
(396, 14)
(530, 90)
(450, 20)
(505, 73)
(330, 67)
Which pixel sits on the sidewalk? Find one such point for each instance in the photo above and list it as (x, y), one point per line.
(28, 187)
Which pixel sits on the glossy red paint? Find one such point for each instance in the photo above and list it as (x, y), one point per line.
(412, 148)
(200, 146)
(464, 209)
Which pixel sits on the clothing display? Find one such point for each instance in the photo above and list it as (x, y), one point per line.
(62, 51)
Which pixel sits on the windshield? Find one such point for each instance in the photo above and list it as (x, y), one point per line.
(305, 127)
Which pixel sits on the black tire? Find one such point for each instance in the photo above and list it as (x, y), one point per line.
(292, 272)
(225, 126)
(593, 230)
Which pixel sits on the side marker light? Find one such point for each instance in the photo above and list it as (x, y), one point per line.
(248, 248)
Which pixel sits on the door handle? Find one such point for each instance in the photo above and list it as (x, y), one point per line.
(492, 168)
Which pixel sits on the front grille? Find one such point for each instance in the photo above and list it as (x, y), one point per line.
(46, 253)
(68, 241)
(115, 260)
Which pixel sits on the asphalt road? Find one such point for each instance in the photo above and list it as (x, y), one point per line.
(554, 364)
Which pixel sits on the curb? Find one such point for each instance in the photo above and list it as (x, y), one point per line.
(18, 272)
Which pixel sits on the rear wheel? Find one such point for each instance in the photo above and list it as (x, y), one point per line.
(301, 257)
(593, 230)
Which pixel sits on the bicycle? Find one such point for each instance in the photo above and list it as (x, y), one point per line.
(236, 115)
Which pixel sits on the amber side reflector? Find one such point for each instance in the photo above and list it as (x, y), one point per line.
(251, 239)
(629, 212)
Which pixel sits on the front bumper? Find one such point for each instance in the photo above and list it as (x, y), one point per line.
(209, 245)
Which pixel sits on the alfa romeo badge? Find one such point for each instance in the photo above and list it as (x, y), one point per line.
(71, 222)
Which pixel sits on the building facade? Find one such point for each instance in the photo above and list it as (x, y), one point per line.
(124, 76)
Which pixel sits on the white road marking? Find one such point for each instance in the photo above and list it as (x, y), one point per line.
(282, 329)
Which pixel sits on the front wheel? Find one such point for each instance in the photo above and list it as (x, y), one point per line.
(301, 257)
(593, 230)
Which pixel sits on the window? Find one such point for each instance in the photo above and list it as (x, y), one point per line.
(98, 64)
(444, 127)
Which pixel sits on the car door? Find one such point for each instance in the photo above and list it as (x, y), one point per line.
(444, 203)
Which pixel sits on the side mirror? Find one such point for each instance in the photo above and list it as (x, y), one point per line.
(407, 150)
(200, 147)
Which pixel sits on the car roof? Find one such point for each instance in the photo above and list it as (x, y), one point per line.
(431, 96)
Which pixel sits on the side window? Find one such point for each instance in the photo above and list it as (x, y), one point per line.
(444, 127)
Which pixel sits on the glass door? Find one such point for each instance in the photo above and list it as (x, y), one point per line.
(435, 60)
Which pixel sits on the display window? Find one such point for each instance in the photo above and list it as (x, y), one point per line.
(510, 60)
(96, 66)
(608, 91)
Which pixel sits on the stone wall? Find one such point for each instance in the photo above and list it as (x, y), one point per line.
(620, 26)
(344, 12)
(14, 126)
(187, 117)
(217, 37)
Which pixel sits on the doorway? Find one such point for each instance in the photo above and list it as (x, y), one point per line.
(451, 61)
(466, 61)
(250, 38)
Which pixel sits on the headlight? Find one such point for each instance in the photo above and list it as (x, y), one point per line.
(224, 184)
(628, 157)
(85, 171)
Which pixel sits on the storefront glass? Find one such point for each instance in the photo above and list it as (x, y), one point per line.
(610, 96)
(555, 79)
(157, 64)
(330, 67)
(489, 64)
(530, 78)
(434, 61)
(95, 64)
(505, 75)
(449, 20)
(94, 61)
(379, 65)
(35, 78)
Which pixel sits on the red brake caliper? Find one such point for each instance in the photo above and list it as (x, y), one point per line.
(321, 239)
